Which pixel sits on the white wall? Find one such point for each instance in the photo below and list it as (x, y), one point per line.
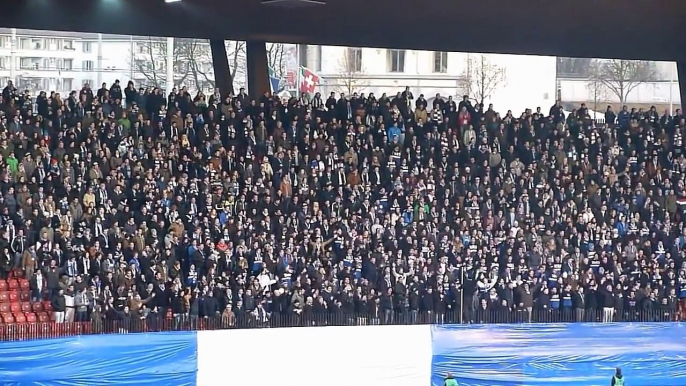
(576, 90)
(116, 62)
(531, 80)
(333, 356)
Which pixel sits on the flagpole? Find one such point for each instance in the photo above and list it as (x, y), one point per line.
(671, 86)
(298, 80)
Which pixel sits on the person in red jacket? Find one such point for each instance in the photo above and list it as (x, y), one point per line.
(464, 118)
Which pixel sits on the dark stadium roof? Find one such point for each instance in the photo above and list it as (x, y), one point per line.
(637, 29)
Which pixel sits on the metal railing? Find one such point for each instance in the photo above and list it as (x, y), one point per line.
(29, 331)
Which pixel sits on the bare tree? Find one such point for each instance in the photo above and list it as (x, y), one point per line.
(481, 78)
(144, 61)
(621, 77)
(192, 63)
(350, 76)
(597, 89)
(574, 67)
(276, 59)
(202, 71)
(199, 61)
(149, 60)
(237, 62)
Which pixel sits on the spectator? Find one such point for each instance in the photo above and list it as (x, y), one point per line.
(302, 210)
(59, 307)
(69, 303)
(81, 305)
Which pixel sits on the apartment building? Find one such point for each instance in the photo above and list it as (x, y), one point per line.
(65, 61)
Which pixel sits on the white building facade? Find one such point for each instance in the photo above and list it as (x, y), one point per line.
(65, 61)
(662, 92)
(529, 82)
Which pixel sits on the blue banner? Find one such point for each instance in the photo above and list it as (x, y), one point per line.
(575, 354)
(117, 360)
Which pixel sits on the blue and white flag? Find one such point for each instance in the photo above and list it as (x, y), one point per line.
(274, 81)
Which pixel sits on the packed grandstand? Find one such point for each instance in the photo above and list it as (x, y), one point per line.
(127, 209)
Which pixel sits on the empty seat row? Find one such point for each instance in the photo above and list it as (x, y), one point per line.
(28, 317)
(14, 284)
(25, 307)
(14, 296)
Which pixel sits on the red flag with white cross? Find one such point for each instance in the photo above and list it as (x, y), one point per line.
(308, 80)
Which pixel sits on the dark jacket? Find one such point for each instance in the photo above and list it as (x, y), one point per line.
(59, 304)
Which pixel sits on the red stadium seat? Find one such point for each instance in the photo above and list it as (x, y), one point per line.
(8, 318)
(24, 285)
(25, 296)
(31, 317)
(47, 305)
(19, 318)
(13, 284)
(4, 308)
(37, 307)
(14, 296)
(15, 307)
(18, 273)
(4, 297)
(4, 286)
(26, 307)
(43, 317)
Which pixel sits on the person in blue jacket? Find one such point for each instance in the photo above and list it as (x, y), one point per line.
(393, 133)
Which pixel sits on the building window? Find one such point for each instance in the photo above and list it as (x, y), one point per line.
(65, 64)
(37, 44)
(87, 48)
(67, 84)
(396, 60)
(441, 62)
(354, 59)
(87, 65)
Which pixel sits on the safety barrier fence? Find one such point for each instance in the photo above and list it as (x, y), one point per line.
(27, 331)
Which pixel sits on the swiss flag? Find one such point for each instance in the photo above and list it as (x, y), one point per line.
(308, 80)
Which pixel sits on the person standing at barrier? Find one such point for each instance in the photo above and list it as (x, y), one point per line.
(608, 303)
(59, 306)
(449, 380)
(618, 378)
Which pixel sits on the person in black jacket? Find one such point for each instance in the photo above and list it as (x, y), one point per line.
(387, 305)
(210, 307)
(610, 116)
(608, 303)
(59, 307)
(579, 303)
(131, 94)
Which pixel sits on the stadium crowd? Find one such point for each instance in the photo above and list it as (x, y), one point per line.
(127, 204)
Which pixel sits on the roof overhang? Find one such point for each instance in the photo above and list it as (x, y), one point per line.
(637, 29)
